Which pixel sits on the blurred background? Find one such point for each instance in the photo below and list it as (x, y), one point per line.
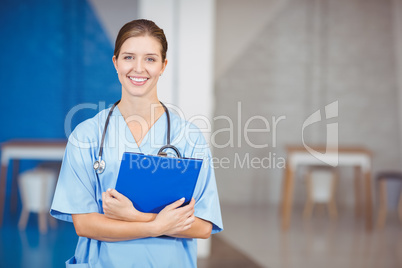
(251, 74)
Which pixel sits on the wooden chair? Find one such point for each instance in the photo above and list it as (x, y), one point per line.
(382, 179)
(37, 189)
(321, 185)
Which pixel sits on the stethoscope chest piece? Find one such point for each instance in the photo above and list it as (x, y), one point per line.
(99, 166)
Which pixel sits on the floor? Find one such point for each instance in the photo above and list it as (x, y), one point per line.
(31, 249)
(224, 255)
(313, 243)
(252, 238)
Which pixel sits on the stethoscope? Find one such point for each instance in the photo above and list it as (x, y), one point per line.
(100, 164)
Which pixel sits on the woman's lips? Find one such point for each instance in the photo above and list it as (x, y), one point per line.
(138, 81)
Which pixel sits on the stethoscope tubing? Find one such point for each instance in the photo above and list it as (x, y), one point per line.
(100, 164)
(105, 128)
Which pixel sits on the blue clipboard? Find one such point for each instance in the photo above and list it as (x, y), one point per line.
(153, 182)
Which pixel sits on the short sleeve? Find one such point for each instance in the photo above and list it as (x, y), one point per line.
(207, 205)
(76, 187)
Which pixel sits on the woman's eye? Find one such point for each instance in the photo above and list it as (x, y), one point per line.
(151, 59)
(128, 57)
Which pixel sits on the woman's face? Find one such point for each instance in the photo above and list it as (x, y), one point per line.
(139, 66)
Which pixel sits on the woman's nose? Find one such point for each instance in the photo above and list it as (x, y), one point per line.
(138, 66)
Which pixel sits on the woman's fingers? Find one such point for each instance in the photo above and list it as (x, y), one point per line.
(175, 204)
(178, 203)
(190, 220)
(186, 209)
(192, 202)
(176, 219)
(187, 223)
(107, 200)
(114, 193)
(190, 213)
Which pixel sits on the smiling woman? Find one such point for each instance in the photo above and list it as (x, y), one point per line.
(101, 214)
(139, 66)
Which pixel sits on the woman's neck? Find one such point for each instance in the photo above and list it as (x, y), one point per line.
(148, 109)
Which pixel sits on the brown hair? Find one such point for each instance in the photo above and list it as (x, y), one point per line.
(137, 28)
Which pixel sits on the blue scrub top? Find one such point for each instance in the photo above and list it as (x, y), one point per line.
(79, 190)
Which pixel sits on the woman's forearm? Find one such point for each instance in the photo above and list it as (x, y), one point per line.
(199, 229)
(143, 217)
(173, 219)
(98, 226)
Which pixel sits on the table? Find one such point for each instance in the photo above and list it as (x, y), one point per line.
(16, 150)
(359, 158)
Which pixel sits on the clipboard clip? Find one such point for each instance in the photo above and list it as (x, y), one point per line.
(168, 146)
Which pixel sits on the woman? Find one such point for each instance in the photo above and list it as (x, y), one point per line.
(112, 233)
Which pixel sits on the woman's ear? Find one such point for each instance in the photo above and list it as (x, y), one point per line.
(164, 66)
(115, 62)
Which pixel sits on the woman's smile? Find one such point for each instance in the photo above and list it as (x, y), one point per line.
(138, 81)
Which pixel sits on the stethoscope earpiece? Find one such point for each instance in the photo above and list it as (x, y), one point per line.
(100, 165)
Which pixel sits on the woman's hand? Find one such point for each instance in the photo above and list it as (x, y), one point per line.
(172, 219)
(117, 206)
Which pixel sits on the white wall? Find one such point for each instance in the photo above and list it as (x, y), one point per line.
(397, 19)
(114, 14)
(189, 28)
(311, 53)
(237, 24)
